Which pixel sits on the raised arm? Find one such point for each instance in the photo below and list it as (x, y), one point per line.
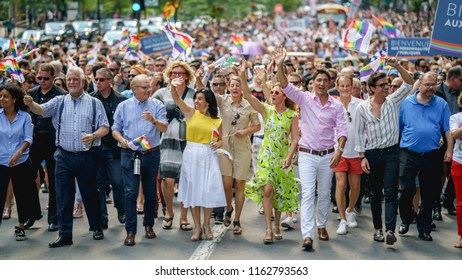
(33, 106)
(261, 77)
(187, 110)
(407, 78)
(254, 102)
(279, 56)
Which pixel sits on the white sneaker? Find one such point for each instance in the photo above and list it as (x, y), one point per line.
(342, 228)
(287, 223)
(351, 219)
(294, 218)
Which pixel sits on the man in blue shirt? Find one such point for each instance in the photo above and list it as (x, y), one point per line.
(422, 119)
(80, 122)
(133, 118)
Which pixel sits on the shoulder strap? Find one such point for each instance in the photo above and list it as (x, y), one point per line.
(61, 109)
(93, 125)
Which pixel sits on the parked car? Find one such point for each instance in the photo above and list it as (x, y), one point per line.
(39, 36)
(112, 24)
(85, 30)
(112, 36)
(60, 31)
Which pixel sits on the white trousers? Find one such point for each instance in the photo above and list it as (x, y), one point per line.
(314, 168)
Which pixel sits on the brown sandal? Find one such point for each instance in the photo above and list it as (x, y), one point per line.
(237, 230)
(227, 219)
(186, 226)
(458, 245)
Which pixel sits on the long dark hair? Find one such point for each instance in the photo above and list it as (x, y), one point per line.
(211, 100)
(18, 94)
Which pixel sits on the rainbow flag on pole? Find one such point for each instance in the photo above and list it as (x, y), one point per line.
(180, 41)
(239, 43)
(10, 65)
(375, 66)
(139, 143)
(358, 36)
(12, 49)
(389, 28)
(30, 43)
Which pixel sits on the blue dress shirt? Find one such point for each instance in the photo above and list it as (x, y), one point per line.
(13, 135)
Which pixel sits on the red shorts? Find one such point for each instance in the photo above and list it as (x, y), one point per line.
(349, 165)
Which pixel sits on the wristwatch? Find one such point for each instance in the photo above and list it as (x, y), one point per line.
(361, 158)
(94, 136)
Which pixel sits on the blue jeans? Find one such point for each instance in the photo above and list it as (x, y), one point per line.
(149, 168)
(83, 167)
(384, 164)
(109, 170)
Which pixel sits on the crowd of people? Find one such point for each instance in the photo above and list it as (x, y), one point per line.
(310, 130)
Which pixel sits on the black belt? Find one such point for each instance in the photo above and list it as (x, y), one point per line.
(421, 154)
(142, 152)
(78, 152)
(317, 153)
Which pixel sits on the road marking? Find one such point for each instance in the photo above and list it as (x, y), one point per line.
(206, 247)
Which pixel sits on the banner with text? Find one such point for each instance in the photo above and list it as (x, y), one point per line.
(410, 48)
(446, 39)
(290, 24)
(156, 45)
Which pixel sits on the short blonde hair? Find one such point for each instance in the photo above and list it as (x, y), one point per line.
(189, 72)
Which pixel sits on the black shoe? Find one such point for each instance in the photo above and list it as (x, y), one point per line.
(104, 225)
(425, 236)
(378, 236)
(53, 227)
(452, 212)
(121, 218)
(367, 199)
(30, 222)
(60, 242)
(98, 235)
(334, 209)
(391, 238)
(437, 215)
(403, 228)
(433, 226)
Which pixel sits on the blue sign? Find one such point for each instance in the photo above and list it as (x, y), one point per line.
(447, 29)
(409, 47)
(156, 45)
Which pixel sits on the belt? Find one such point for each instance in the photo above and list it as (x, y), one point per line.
(421, 154)
(79, 152)
(143, 151)
(317, 153)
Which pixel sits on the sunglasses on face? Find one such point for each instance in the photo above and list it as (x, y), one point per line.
(58, 84)
(159, 65)
(114, 69)
(30, 82)
(349, 116)
(236, 117)
(101, 79)
(43, 78)
(295, 82)
(131, 76)
(218, 84)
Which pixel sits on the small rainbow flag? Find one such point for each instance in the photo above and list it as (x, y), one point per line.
(25, 55)
(358, 36)
(11, 66)
(375, 66)
(215, 135)
(30, 43)
(224, 153)
(143, 56)
(169, 9)
(180, 41)
(389, 28)
(139, 143)
(204, 57)
(239, 43)
(134, 42)
(12, 50)
(91, 56)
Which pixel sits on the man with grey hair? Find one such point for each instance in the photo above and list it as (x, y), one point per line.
(80, 123)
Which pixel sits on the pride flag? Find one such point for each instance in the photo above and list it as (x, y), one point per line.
(180, 41)
(134, 42)
(239, 43)
(25, 55)
(375, 66)
(91, 56)
(12, 49)
(139, 143)
(215, 135)
(389, 28)
(30, 43)
(70, 62)
(169, 9)
(358, 36)
(11, 66)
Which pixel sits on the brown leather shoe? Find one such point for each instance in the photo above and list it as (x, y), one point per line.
(323, 235)
(150, 234)
(307, 244)
(130, 239)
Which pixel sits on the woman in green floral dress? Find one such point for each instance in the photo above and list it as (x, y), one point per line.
(274, 183)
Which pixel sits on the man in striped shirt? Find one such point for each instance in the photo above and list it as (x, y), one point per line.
(377, 121)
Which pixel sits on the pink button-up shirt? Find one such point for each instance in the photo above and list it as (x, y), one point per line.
(319, 123)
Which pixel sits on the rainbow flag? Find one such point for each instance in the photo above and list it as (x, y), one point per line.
(239, 43)
(215, 135)
(139, 143)
(70, 62)
(10, 65)
(30, 43)
(358, 36)
(389, 28)
(143, 56)
(134, 42)
(375, 66)
(224, 153)
(25, 55)
(124, 40)
(12, 49)
(204, 57)
(180, 41)
(169, 9)
(91, 56)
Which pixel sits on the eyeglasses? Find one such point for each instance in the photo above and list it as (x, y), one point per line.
(144, 87)
(295, 82)
(159, 65)
(394, 86)
(274, 92)
(30, 82)
(82, 65)
(424, 66)
(132, 76)
(178, 73)
(114, 69)
(429, 85)
(309, 69)
(43, 78)
(384, 85)
(59, 84)
(218, 84)
(236, 117)
(349, 116)
(101, 79)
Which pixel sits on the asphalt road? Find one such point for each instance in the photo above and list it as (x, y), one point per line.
(175, 244)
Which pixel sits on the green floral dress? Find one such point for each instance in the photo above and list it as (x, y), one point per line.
(273, 151)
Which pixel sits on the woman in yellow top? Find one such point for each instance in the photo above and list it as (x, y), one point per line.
(200, 184)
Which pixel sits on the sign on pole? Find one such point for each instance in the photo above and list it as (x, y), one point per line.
(156, 45)
(409, 47)
(446, 39)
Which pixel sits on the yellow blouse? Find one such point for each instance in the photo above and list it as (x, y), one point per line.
(199, 128)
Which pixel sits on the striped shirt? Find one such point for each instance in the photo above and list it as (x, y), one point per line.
(380, 132)
(77, 117)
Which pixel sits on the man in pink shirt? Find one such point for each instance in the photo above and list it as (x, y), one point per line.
(322, 119)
